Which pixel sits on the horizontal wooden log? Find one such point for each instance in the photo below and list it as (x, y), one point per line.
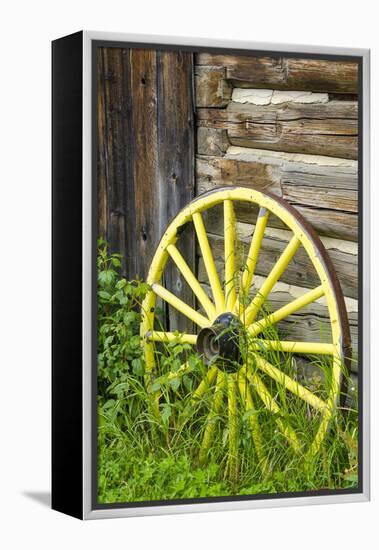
(322, 129)
(283, 112)
(300, 270)
(323, 189)
(212, 88)
(211, 141)
(286, 73)
(329, 222)
(212, 172)
(311, 324)
(336, 199)
(314, 137)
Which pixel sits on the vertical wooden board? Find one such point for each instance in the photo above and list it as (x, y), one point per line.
(176, 164)
(102, 196)
(145, 157)
(113, 151)
(142, 157)
(130, 185)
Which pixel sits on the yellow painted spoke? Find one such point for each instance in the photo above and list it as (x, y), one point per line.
(321, 432)
(204, 384)
(290, 384)
(233, 427)
(213, 416)
(181, 370)
(157, 336)
(286, 310)
(192, 281)
(209, 262)
(272, 278)
(178, 304)
(333, 396)
(149, 357)
(270, 403)
(229, 242)
(311, 348)
(252, 256)
(253, 420)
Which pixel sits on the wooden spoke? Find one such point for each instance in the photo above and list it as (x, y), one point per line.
(252, 257)
(321, 432)
(178, 373)
(178, 304)
(229, 242)
(333, 396)
(204, 384)
(212, 416)
(272, 278)
(233, 427)
(286, 310)
(209, 262)
(290, 384)
(215, 389)
(310, 348)
(192, 281)
(166, 337)
(272, 406)
(253, 420)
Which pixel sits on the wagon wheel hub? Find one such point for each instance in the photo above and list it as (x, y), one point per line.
(222, 342)
(246, 376)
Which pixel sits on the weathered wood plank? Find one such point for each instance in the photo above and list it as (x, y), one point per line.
(176, 154)
(231, 172)
(283, 112)
(331, 223)
(146, 156)
(286, 73)
(212, 88)
(321, 129)
(102, 194)
(327, 138)
(300, 270)
(263, 71)
(336, 199)
(323, 75)
(323, 189)
(142, 137)
(112, 177)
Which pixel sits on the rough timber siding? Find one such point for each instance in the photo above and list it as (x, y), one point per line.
(145, 156)
(288, 126)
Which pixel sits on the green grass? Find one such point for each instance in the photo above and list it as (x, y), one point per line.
(144, 456)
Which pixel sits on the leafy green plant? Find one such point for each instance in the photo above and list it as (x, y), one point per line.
(119, 301)
(145, 454)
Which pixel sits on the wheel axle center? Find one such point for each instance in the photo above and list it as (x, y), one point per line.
(221, 341)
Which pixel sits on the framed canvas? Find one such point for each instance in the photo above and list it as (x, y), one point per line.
(210, 275)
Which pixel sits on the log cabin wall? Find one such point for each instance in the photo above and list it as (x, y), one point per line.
(285, 125)
(288, 126)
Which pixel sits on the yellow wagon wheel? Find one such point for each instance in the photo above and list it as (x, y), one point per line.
(226, 317)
